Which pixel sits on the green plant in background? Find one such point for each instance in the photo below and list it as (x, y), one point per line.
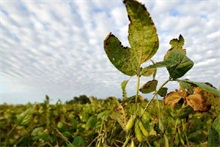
(144, 43)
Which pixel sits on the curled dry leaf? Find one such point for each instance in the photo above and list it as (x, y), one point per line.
(172, 98)
(200, 100)
(197, 102)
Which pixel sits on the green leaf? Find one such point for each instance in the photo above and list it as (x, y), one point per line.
(183, 65)
(216, 124)
(184, 112)
(166, 63)
(146, 118)
(91, 122)
(213, 138)
(148, 71)
(123, 87)
(185, 85)
(148, 87)
(46, 137)
(79, 142)
(197, 136)
(123, 84)
(25, 117)
(151, 69)
(204, 86)
(142, 36)
(37, 131)
(178, 54)
(73, 122)
(207, 88)
(163, 91)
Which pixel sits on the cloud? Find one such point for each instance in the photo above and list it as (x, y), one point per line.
(56, 47)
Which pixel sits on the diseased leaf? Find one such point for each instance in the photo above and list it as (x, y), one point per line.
(118, 114)
(172, 98)
(121, 57)
(178, 54)
(208, 92)
(197, 102)
(148, 87)
(142, 36)
(177, 43)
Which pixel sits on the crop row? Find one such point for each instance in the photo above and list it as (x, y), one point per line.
(104, 122)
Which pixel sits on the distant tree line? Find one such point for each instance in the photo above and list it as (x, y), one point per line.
(82, 99)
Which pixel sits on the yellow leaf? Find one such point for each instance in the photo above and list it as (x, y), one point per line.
(172, 98)
(197, 102)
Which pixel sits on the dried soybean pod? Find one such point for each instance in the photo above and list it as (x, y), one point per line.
(142, 128)
(137, 131)
(130, 123)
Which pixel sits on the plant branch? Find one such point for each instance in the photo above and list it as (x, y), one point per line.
(156, 92)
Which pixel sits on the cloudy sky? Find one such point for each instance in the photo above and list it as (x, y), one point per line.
(55, 47)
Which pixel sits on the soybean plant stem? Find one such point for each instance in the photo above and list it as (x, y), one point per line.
(137, 90)
(156, 92)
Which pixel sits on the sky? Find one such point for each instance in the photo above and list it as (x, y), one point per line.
(55, 47)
